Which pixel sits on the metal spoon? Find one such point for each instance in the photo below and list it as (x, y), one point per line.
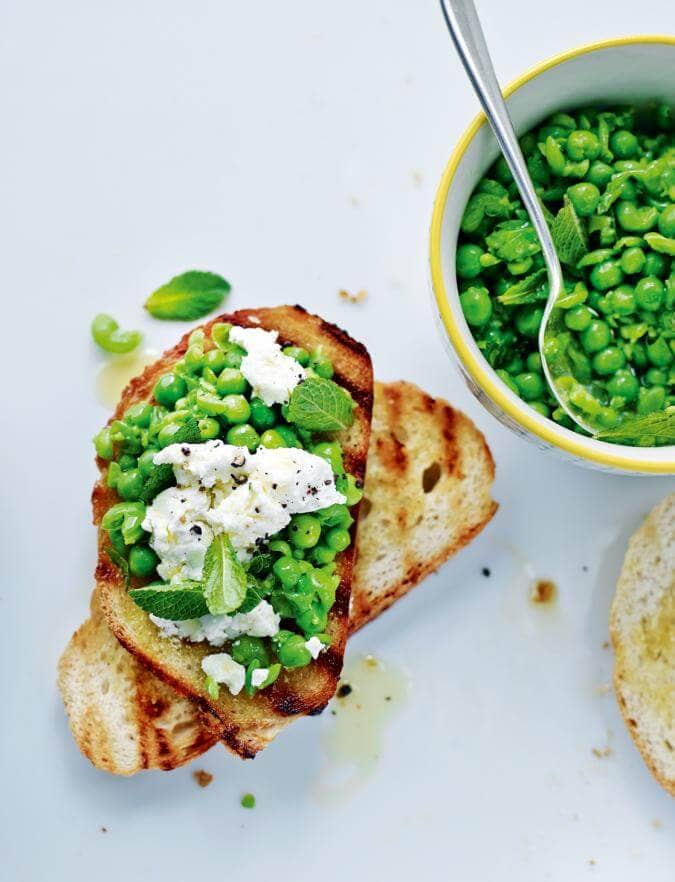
(467, 35)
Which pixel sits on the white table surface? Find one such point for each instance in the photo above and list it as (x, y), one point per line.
(295, 148)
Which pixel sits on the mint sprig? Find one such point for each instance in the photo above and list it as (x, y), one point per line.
(176, 602)
(569, 235)
(188, 297)
(224, 581)
(658, 428)
(162, 476)
(528, 290)
(320, 405)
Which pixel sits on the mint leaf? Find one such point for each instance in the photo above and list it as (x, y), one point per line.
(320, 405)
(189, 296)
(225, 579)
(528, 290)
(162, 476)
(569, 236)
(657, 426)
(513, 240)
(175, 602)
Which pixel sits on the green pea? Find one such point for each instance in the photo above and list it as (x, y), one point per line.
(127, 462)
(579, 318)
(236, 409)
(655, 377)
(622, 300)
(103, 444)
(476, 306)
(528, 320)
(634, 218)
(666, 222)
(208, 428)
(508, 379)
(167, 433)
(623, 384)
(215, 359)
(530, 386)
(608, 360)
(220, 334)
(322, 366)
(130, 484)
(468, 261)
(139, 415)
(540, 408)
(605, 275)
(651, 400)
(288, 572)
(313, 621)
(607, 417)
(246, 649)
(230, 381)
(599, 174)
(515, 365)
(352, 490)
(142, 561)
(234, 356)
(632, 260)
(262, 416)
(623, 144)
(649, 293)
(293, 653)
(280, 546)
(107, 335)
(304, 531)
(582, 144)
(146, 462)
(243, 435)
(584, 197)
(656, 265)
(658, 352)
(323, 555)
(169, 388)
(298, 353)
(596, 336)
(338, 539)
(272, 439)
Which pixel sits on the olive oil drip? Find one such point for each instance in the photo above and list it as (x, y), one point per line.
(116, 372)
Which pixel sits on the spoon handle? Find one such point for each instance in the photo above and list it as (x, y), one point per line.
(467, 35)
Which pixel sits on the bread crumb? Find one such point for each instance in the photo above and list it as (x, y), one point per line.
(104, 829)
(591, 862)
(202, 777)
(605, 645)
(603, 689)
(656, 823)
(543, 591)
(601, 752)
(359, 297)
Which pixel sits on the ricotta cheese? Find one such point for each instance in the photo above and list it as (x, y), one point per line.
(261, 621)
(259, 676)
(314, 646)
(224, 669)
(271, 374)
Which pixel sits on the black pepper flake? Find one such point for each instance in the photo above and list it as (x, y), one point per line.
(196, 529)
(239, 479)
(344, 690)
(284, 505)
(486, 572)
(327, 483)
(238, 461)
(274, 486)
(358, 483)
(256, 510)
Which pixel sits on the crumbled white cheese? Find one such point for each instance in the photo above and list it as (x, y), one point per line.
(314, 646)
(226, 489)
(224, 669)
(259, 676)
(261, 621)
(272, 375)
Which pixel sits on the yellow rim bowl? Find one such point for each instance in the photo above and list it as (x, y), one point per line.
(614, 71)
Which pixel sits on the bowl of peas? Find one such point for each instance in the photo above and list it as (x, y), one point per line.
(597, 129)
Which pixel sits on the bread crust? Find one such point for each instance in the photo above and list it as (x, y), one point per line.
(246, 723)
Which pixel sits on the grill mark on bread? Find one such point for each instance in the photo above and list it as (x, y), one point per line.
(451, 452)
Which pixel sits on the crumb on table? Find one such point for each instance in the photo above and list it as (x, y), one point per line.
(359, 297)
(202, 777)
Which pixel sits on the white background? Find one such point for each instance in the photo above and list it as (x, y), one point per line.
(295, 148)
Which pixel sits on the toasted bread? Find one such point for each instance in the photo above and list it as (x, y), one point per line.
(247, 724)
(642, 625)
(125, 719)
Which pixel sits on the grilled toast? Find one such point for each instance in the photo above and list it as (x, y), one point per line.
(642, 626)
(126, 719)
(247, 724)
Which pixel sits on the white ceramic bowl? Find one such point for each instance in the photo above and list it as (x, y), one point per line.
(616, 71)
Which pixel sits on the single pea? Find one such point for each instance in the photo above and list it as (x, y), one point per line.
(530, 385)
(651, 399)
(528, 320)
(352, 490)
(607, 417)
(130, 484)
(304, 531)
(322, 366)
(608, 360)
(476, 306)
(468, 261)
(142, 561)
(293, 653)
(167, 433)
(633, 260)
(666, 221)
(234, 356)
(103, 444)
(169, 388)
(540, 407)
(298, 353)
(236, 409)
(208, 428)
(624, 384)
(313, 621)
(584, 197)
(649, 293)
(658, 352)
(621, 300)
(623, 144)
(322, 555)
(243, 435)
(220, 334)
(246, 648)
(515, 365)
(194, 357)
(656, 265)
(582, 144)
(127, 462)
(634, 218)
(262, 416)
(215, 359)
(655, 377)
(508, 379)
(272, 439)
(338, 539)
(599, 174)
(287, 571)
(578, 318)
(606, 275)
(146, 462)
(596, 336)
(230, 381)
(139, 414)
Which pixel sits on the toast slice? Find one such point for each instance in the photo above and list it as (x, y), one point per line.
(247, 724)
(125, 719)
(642, 626)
